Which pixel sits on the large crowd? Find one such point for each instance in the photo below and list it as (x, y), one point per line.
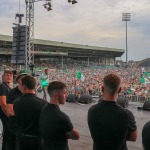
(30, 122)
(93, 77)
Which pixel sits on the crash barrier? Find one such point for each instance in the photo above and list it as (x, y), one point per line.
(135, 98)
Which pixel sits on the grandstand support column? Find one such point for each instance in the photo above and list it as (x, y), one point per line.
(62, 62)
(88, 61)
(29, 33)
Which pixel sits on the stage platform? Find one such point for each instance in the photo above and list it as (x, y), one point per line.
(78, 115)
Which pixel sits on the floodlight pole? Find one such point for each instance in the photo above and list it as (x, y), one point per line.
(126, 18)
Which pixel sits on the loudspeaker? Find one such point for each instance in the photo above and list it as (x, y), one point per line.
(85, 99)
(123, 101)
(19, 45)
(146, 105)
(72, 98)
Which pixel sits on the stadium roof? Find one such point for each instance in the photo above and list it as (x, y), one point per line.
(144, 63)
(62, 44)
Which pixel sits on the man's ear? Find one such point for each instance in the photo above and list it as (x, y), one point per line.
(102, 88)
(119, 90)
(56, 95)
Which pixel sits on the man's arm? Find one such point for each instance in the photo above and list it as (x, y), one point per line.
(10, 110)
(132, 128)
(3, 104)
(132, 136)
(73, 134)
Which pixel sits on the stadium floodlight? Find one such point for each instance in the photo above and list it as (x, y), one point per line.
(126, 18)
(74, 2)
(20, 17)
(48, 6)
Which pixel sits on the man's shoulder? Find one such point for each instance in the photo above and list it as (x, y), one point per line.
(14, 90)
(118, 107)
(94, 106)
(42, 101)
(18, 100)
(2, 85)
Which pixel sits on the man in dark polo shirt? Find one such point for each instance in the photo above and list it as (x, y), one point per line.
(4, 90)
(146, 136)
(56, 127)
(27, 110)
(14, 94)
(110, 124)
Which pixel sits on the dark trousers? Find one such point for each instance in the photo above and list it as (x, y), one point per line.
(5, 142)
(12, 140)
(24, 143)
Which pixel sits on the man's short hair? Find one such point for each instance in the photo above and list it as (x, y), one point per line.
(8, 72)
(55, 86)
(29, 82)
(111, 83)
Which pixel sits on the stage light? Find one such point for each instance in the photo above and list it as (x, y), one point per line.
(48, 6)
(74, 2)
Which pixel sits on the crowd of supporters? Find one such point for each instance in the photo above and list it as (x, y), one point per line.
(93, 76)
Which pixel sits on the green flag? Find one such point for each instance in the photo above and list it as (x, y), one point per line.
(142, 80)
(147, 74)
(79, 74)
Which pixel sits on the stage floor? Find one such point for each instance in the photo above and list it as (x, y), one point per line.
(78, 116)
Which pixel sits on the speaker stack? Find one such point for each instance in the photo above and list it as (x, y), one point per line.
(123, 101)
(72, 98)
(146, 105)
(85, 99)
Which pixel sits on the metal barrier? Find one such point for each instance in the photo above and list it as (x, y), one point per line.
(135, 98)
(141, 99)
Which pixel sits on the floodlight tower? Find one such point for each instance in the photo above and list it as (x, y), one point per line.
(126, 18)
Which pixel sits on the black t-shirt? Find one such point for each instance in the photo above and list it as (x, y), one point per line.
(146, 136)
(27, 110)
(54, 124)
(109, 125)
(4, 90)
(12, 96)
